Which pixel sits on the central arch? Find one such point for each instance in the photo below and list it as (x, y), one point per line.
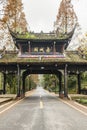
(42, 71)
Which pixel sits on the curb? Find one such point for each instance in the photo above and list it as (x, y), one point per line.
(5, 101)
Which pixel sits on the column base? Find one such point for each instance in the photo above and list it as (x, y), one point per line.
(61, 94)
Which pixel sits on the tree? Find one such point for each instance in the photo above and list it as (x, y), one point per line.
(11, 81)
(14, 16)
(66, 17)
(82, 49)
(50, 82)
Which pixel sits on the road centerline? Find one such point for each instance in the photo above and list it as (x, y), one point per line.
(41, 105)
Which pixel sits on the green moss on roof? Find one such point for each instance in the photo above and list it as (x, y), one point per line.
(41, 36)
(26, 36)
(70, 58)
(75, 57)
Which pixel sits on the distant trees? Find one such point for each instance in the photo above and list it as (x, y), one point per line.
(30, 83)
(11, 83)
(51, 82)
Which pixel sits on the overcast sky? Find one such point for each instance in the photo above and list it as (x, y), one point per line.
(41, 14)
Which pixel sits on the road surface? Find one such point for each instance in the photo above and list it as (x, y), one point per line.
(42, 111)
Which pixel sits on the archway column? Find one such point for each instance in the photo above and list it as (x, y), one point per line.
(65, 81)
(60, 82)
(79, 83)
(4, 83)
(19, 81)
(59, 75)
(23, 84)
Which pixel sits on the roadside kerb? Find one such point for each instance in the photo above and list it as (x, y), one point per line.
(5, 100)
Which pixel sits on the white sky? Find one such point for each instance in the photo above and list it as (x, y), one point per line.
(41, 14)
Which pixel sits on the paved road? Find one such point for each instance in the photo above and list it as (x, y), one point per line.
(42, 111)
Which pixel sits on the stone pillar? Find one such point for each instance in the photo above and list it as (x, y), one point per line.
(59, 75)
(23, 85)
(60, 82)
(29, 82)
(4, 83)
(65, 81)
(79, 83)
(19, 81)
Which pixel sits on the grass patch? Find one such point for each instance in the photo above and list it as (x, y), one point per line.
(82, 101)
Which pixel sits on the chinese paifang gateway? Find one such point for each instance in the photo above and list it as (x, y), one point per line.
(46, 61)
(44, 44)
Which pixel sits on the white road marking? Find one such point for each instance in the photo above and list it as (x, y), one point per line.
(11, 106)
(80, 105)
(6, 104)
(41, 105)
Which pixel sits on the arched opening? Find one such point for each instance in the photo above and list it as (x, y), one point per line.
(55, 79)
